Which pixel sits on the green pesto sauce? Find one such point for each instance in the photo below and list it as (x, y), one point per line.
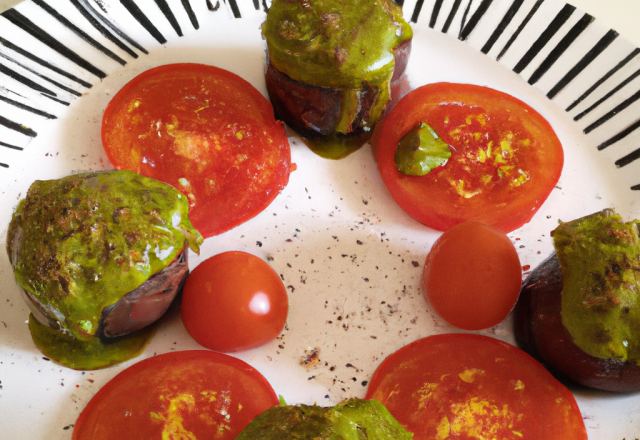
(333, 43)
(420, 151)
(355, 419)
(89, 239)
(91, 354)
(600, 260)
(336, 145)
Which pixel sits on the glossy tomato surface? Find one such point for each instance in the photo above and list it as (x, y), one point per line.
(468, 387)
(205, 131)
(472, 276)
(505, 157)
(179, 395)
(234, 301)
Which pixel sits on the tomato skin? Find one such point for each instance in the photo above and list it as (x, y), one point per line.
(234, 301)
(205, 131)
(473, 185)
(472, 276)
(198, 392)
(467, 386)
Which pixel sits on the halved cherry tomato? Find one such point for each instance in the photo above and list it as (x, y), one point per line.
(464, 387)
(234, 301)
(205, 131)
(472, 276)
(179, 395)
(505, 158)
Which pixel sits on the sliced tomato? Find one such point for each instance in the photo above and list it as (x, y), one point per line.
(464, 387)
(505, 157)
(205, 131)
(179, 395)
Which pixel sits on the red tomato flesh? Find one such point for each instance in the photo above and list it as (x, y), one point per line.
(471, 387)
(205, 131)
(179, 395)
(234, 301)
(505, 157)
(472, 276)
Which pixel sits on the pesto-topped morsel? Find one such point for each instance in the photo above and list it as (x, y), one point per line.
(330, 67)
(81, 243)
(420, 151)
(335, 43)
(600, 260)
(354, 419)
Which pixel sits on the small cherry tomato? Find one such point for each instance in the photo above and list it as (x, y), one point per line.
(472, 276)
(505, 157)
(234, 301)
(205, 131)
(177, 395)
(463, 386)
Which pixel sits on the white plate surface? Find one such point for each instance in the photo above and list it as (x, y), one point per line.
(345, 250)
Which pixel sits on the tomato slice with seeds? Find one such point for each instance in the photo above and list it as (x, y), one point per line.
(193, 394)
(505, 157)
(469, 387)
(205, 131)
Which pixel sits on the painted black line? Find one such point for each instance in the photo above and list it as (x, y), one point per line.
(234, 8)
(27, 108)
(17, 127)
(520, 28)
(168, 13)
(596, 50)
(608, 95)
(192, 16)
(256, 4)
(464, 18)
(55, 83)
(508, 16)
(76, 30)
(135, 11)
(13, 147)
(103, 30)
(631, 157)
(59, 101)
(212, 7)
(24, 80)
(610, 114)
(561, 47)
(265, 7)
(434, 13)
(623, 134)
(452, 14)
(44, 63)
(545, 36)
(608, 75)
(113, 28)
(475, 18)
(4, 165)
(633, 188)
(417, 8)
(27, 25)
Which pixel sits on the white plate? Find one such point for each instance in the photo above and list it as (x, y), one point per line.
(345, 250)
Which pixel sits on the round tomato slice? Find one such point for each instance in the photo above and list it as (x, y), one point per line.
(464, 387)
(205, 131)
(179, 395)
(505, 157)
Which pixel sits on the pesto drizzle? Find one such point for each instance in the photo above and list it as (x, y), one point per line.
(89, 239)
(600, 260)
